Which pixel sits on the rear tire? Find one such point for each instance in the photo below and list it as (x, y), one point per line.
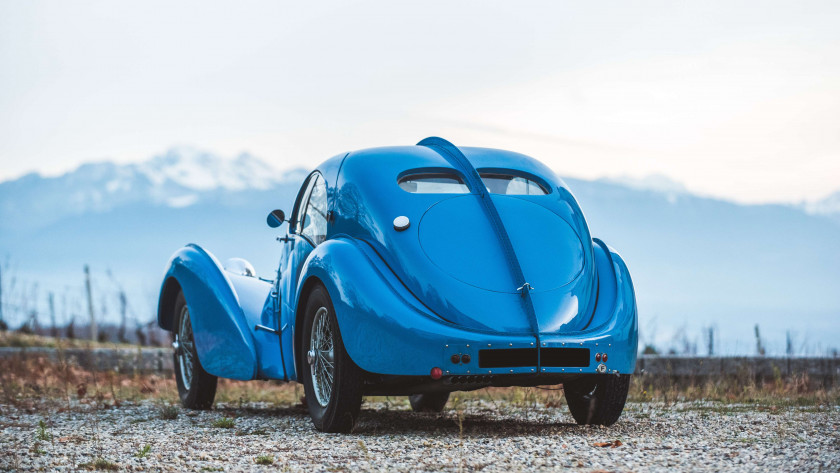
(331, 380)
(428, 402)
(598, 399)
(196, 387)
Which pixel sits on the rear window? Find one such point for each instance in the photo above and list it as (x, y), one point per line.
(434, 183)
(509, 184)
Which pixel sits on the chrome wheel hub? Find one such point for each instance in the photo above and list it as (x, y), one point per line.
(321, 357)
(185, 348)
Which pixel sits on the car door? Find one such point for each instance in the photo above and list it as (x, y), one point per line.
(307, 229)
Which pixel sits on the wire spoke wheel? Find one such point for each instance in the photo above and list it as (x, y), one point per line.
(321, 357)
(185, 348)
(331, 381)
(196, 387)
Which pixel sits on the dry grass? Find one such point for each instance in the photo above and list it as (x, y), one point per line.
(24, 340)
(35, 380)
(799, 390)
(32, 382)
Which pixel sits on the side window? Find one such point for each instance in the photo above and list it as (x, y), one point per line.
(300, 210)
(314, 221)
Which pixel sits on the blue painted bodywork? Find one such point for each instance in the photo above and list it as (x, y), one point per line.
(455, 282)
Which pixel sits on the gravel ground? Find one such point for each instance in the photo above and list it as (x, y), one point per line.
(479, 435)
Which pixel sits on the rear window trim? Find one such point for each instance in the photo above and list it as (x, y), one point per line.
(549, 189)
(517, 173)
(441, 172)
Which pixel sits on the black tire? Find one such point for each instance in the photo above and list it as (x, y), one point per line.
(598, 399)
(428, 402)
(197, 388)
(337, 410)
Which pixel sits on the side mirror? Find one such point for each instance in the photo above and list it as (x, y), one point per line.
(275, 218)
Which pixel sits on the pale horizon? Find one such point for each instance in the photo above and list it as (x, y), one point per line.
(652, 181)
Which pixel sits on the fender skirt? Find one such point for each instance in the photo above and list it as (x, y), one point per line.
(225, 345)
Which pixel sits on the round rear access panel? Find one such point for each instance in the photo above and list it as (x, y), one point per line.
(549, 250)
(457, 237)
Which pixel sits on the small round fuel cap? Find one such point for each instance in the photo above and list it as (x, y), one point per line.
(401, 223)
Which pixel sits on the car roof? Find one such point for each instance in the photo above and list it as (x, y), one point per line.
(401, 160)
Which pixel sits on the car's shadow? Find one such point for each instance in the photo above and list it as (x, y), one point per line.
(385, 421)
(378, 422)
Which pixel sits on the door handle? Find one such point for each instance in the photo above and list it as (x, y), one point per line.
(267, 329)
(287, 239)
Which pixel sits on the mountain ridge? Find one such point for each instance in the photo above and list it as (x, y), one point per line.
(180, 177)
(184, 171)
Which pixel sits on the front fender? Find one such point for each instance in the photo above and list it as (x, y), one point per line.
(223, 342)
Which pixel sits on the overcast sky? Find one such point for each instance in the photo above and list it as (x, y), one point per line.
(739, 100)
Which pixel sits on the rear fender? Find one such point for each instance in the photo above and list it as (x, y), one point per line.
(616, 312)
(374, 311)
(223, 341)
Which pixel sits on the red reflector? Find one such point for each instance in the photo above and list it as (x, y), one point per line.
(436, 373)
(605, 357)
(598, 357)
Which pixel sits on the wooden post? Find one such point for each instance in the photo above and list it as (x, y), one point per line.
(759, 347)
(121, 334)
(94, 332)
(53, 326)
(711, 341)
(34, 325)
(788, 344)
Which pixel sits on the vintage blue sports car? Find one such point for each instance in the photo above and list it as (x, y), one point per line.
(414, 270)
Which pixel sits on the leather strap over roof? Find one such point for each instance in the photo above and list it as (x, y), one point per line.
(456, 158)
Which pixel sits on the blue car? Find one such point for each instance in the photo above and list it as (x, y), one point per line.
(418, 271)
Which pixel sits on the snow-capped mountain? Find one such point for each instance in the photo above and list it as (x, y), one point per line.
(198, 170)
(829, 206)
(179, 177)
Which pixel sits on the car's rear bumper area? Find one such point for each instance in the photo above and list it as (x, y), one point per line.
(377, 385)
(393, 335)
(491, 355)
(413, 344)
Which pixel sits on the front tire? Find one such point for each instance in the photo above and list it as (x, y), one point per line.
(428, 402)
(598, 399)
(196, 387)
(331, 380)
